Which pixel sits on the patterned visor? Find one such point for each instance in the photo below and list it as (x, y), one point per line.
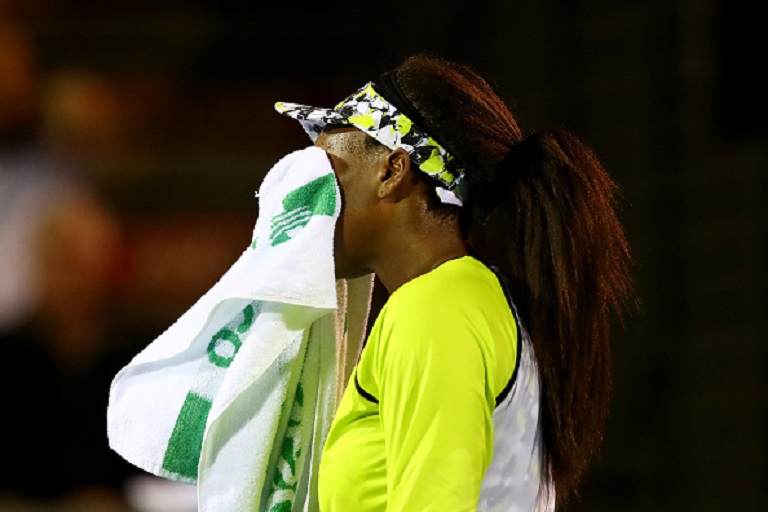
(368, 111)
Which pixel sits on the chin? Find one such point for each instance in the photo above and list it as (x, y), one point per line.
(350, 272)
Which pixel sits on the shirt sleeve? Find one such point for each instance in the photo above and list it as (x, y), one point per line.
(435, 412)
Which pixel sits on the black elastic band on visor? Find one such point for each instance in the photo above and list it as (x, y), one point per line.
(388, 87)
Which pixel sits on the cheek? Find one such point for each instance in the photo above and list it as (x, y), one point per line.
(354, 231)
(346, 244)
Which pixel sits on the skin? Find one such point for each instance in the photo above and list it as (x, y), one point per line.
(385, 227)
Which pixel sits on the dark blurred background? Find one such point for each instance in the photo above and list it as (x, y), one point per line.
(133, 135)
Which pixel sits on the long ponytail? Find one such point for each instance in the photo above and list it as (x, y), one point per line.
(555, 232)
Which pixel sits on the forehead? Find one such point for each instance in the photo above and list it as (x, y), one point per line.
(342, 140)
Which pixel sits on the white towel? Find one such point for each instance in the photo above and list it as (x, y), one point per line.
(238, 394)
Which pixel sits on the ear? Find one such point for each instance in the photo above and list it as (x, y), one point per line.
(396, 181)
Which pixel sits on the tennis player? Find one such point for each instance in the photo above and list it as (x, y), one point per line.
(484, 382)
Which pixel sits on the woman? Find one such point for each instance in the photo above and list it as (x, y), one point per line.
(484, 382)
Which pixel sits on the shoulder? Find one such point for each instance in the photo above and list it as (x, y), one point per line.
(445, 307)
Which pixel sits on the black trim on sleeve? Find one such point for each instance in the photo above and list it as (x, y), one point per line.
(363, 392)
(506, 289)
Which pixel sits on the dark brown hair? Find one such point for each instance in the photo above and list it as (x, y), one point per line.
(553, 230)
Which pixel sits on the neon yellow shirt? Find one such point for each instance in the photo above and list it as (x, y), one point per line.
(413, 430)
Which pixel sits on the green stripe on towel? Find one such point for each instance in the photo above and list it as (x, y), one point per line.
(180, 457)
(185, 445)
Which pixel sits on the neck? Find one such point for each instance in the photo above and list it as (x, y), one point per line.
(408, 255)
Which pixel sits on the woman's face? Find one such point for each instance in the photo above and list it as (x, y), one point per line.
(356, 166)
